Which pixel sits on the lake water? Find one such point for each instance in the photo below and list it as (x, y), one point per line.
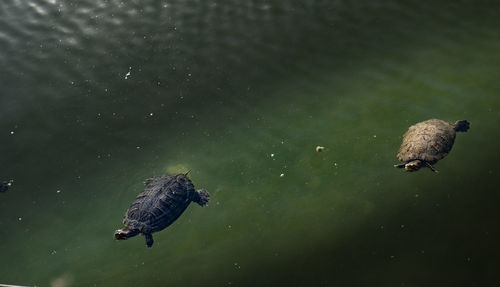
(97, 96)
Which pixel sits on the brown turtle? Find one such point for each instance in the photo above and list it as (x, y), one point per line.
(427, 142)
(163, 200)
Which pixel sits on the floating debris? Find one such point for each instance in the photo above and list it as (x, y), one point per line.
(128, 73)
(320, 148)
(4, 185)
(282, 175)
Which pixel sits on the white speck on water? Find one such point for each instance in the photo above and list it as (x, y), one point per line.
(138, 147)
(272, 155)
(20, 218)
(336, 165)
(128, 73)
(229, 226)
(150, 114)
(374, 136)
(58, 191)
(417, 195)
(282, 175)
(402, 226)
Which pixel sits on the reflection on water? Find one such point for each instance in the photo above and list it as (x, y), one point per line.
(62, 281)
(97, 96)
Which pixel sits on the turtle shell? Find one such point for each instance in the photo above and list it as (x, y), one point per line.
(430, 141)
(163, 200)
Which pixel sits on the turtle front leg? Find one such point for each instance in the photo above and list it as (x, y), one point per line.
(402, 165)
(431, 167)
(201, 197)
(149, 239)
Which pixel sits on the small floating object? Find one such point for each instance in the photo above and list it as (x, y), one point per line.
(128, 73)
(4, 185)
(320, 148)
(427, 142)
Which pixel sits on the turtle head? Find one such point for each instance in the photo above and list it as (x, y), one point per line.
(414, 165)
(125, 233)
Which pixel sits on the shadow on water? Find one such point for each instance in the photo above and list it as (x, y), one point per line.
(438, 239)
(367, 70)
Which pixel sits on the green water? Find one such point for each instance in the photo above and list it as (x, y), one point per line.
(241, 93)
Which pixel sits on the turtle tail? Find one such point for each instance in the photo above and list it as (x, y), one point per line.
(201, 197)
(461, 126)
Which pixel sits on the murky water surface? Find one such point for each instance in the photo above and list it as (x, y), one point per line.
(96, 96)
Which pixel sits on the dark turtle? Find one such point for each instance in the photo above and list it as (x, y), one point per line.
(4, 185)
(163, 200)
(427, 142)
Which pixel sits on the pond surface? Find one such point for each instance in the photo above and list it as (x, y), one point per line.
(97, 96)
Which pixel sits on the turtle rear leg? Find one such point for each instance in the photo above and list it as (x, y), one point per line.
(201, 197)
(149, 239)
(461, 126)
